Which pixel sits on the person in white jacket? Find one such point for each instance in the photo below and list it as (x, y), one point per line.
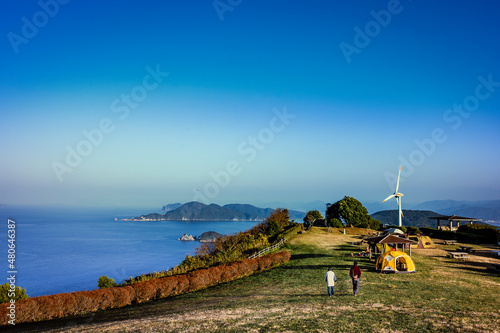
(330, 279)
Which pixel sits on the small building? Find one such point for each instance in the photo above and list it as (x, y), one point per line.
(389, 239)
(451, 219)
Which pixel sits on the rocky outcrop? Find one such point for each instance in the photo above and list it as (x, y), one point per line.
(186, 237)
(209, 237)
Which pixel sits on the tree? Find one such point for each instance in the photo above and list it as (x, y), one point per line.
(335, 223)
(312, 215)
(374, 224)
(350, 211)
(276, 221)
(105, 282)
(7, 293)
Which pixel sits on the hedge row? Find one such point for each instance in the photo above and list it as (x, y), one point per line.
(77, 303)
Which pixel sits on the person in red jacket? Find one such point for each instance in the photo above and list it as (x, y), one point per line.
(355, 274)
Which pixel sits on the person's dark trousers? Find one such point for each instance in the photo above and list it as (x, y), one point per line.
(355, 286)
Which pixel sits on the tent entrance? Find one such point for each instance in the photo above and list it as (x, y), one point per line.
(401, 264)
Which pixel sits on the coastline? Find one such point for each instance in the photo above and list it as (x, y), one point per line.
(134, 219)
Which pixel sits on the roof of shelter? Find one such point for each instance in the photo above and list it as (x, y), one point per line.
(389, 239)
(454, 218)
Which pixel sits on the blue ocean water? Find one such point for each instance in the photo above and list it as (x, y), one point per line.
(68, 249)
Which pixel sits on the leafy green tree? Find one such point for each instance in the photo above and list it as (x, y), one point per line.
(350, 211)
(374, 224)
(6, 294)
(335, 223)
(312, 215)
(105, 282)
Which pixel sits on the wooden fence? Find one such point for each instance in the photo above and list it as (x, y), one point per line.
(268, 249)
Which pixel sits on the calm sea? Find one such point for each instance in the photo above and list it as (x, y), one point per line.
(68, 249)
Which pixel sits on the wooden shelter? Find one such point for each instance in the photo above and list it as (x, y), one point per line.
(453, 218)
(389, 239)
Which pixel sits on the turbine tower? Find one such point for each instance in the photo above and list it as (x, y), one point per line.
(398, 196)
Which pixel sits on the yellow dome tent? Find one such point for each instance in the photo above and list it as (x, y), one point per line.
(395, 262)
(424, 242)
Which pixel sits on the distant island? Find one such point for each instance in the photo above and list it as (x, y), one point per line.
(197, 211)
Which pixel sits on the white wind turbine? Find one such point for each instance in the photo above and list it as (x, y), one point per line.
(398, 198)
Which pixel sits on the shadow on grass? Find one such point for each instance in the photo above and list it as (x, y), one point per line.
(479, 267)
(293, 267)
(308, 256)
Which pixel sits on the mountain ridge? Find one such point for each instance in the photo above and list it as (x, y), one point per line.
(197, 211)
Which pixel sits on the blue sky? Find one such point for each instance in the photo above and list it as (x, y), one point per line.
(141, 103)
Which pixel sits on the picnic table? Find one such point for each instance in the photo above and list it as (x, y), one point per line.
(495, 268)
(465, 248)
(447, 242)
(458, 255)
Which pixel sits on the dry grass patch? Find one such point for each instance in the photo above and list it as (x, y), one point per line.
(443, 296)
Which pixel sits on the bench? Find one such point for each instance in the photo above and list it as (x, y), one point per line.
(466, 248)
(495, 268)
(447, 242)
(458, 255)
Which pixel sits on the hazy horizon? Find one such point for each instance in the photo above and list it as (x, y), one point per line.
(147, 103)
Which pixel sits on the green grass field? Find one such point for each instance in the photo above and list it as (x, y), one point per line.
(445, 295)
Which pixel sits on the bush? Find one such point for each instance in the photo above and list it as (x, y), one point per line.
(413, 230)
(6, 294)
(428, 231)
(335, 223)
(477, 233)
(105, 282)
(437, 233)
(374, 224)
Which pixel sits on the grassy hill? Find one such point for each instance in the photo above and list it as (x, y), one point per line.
(445, 295)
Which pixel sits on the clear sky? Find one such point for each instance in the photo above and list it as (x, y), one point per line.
(142, 103)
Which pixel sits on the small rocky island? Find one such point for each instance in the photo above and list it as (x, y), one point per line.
(206, 237)
(186, 237)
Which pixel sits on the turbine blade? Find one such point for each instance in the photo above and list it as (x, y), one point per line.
(389, 197)
(399, 175)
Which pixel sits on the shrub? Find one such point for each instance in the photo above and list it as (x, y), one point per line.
(437, 233)
(105, 282)
(477, 233)
(428, 231)
(413, 230)
(374, 224)
(335, 223)
(6, 294)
